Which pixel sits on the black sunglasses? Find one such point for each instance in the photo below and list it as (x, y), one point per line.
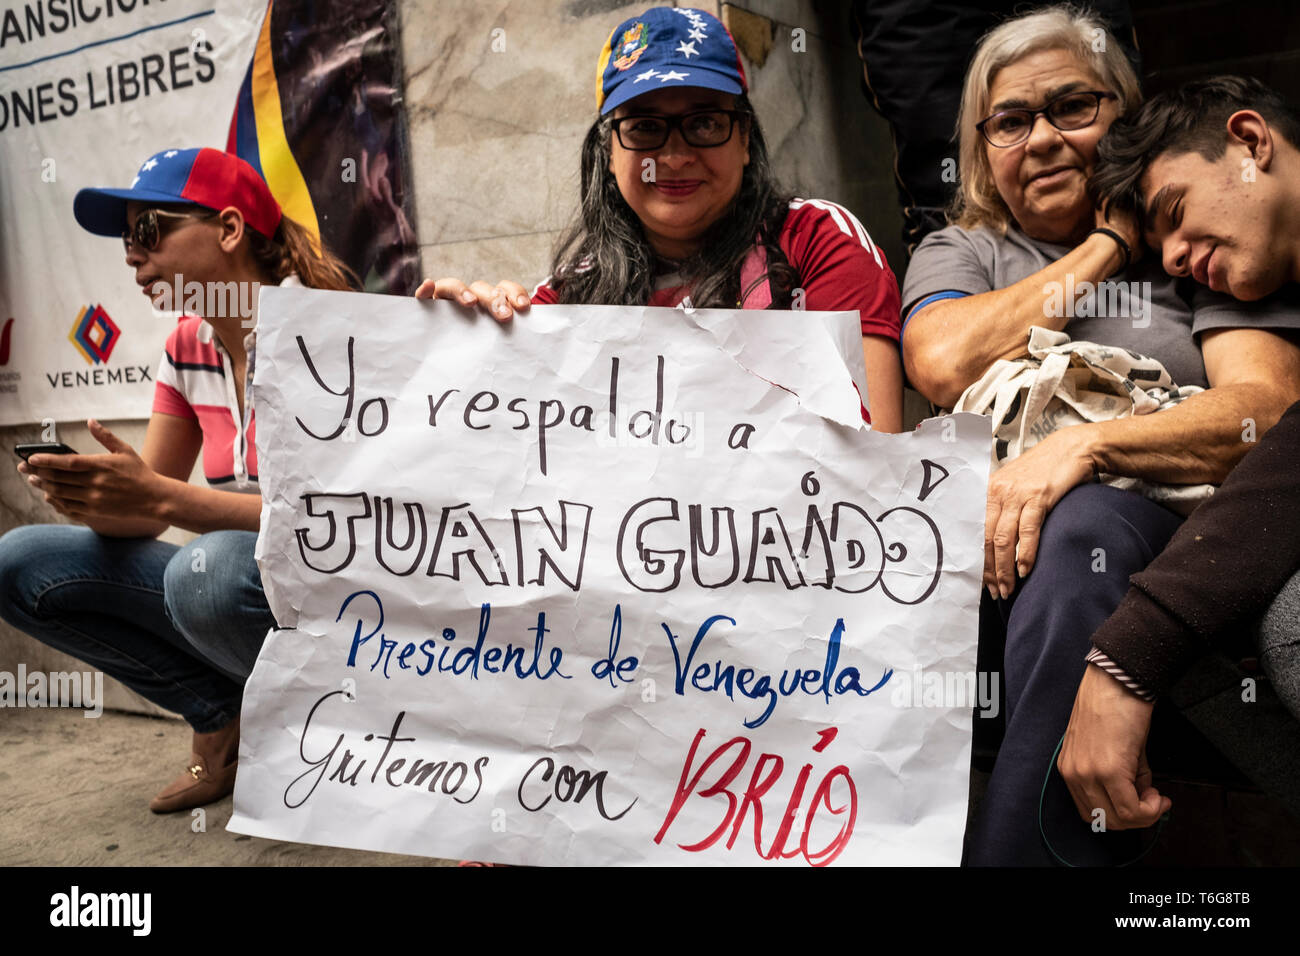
(148, 232)
(1069, 111)
(700, 128)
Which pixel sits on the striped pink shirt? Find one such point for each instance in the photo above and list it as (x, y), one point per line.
(196, 381)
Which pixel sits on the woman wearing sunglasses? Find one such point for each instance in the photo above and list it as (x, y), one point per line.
(679, 205)
(180, 626)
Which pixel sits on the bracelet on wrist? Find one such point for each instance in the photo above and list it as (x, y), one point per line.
(1119, 241)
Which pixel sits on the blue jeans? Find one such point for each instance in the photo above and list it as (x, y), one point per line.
(1092, 541)
(181, 626)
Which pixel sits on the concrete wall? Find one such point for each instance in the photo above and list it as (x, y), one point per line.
(495, 136)
(496, 123)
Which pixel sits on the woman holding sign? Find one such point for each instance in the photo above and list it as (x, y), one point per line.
(181, 626)
(679, 205)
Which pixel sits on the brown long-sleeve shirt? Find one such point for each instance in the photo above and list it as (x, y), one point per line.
(1220, 571)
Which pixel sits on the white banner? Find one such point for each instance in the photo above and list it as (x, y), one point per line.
(88, 90)
(602, 586)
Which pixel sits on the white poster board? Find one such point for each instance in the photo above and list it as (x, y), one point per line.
(604, 586)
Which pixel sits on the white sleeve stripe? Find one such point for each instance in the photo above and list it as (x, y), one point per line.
(863, 237)
(835, 215)
(546, 281)
(167, 374)
(840, 214)
(201, 388)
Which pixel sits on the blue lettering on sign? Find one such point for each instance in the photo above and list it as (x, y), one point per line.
(726, 678)
(540, 661)
(519, 661)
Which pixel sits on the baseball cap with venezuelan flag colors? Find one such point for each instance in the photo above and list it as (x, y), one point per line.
(664, 47)
(203, 177)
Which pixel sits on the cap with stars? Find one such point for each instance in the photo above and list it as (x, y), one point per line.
(201, 177)
(665, 47)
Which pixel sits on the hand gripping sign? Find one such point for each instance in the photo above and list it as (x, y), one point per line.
(604, 586)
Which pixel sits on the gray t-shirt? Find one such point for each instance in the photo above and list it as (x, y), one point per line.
(1160, 320)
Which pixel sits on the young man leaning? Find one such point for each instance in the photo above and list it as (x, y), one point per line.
(1212, 173)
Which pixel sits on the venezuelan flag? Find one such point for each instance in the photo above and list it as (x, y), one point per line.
(601, 65)
(320, 114)
(257, 134)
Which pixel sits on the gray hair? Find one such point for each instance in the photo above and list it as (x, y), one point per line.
(1076, 31)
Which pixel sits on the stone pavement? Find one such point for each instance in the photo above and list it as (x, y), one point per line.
(75, 791)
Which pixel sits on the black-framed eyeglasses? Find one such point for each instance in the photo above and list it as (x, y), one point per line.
(700, 128)
(1068, 111)
(148, 231)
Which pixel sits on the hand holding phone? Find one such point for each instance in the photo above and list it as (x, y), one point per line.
(26, 450)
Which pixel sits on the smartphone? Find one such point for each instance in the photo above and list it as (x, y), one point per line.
(25, 451)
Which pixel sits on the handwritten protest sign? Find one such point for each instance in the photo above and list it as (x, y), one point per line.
(605, 585)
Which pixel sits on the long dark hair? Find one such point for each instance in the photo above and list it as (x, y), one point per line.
(604, 257)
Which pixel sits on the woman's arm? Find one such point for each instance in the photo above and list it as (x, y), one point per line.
(841, 270)
(1254, 376)
(884, 383)
(207, 509)
(949, 344)
(121, 494)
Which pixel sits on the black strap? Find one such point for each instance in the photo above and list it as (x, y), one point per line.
(1120, 241)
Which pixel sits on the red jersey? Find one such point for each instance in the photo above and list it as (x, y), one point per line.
(840, 269)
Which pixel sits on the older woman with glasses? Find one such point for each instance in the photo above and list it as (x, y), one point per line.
(181, 626)
(1039, 95)
(679, 205)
